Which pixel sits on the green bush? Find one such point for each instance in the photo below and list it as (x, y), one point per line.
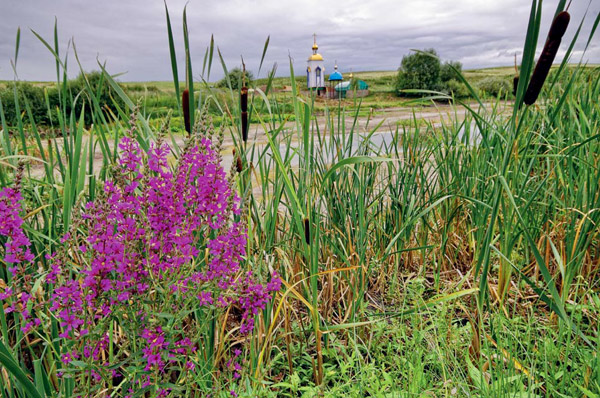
(419, 71)
(423, 71)
(27, 93)
(495, 86)
(141, 88)
(235, 77)
(456, 89)
(447, 72)
(44, 111)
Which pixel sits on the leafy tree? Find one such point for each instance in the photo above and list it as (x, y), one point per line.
(420, 71)
(446, 71)
(235, 77)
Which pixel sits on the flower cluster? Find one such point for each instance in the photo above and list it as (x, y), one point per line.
(17, 255)
(17, 245)
(158, 239)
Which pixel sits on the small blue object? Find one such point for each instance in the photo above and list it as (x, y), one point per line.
(336, 76)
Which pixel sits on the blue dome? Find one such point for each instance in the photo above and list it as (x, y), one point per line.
(336, 76)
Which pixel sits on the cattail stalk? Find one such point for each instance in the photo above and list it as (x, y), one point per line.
(557, 30)
(516, 78)
(185, 103)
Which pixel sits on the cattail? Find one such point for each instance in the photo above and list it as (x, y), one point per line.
(238, 164)
(307, 231)
(244, 109)
(557, 30)
(185, 103)
(244, 99)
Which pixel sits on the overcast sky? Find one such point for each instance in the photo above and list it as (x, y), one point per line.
(131, 35)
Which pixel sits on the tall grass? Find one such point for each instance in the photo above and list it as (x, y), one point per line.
(490, 221)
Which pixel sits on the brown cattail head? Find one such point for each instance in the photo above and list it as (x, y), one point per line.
(185, 103)
(559, 26)
(244, 109)
(245, 126)
(238, 164)
(557, 30)
(307, 231)
(515, 85)
(244, 99)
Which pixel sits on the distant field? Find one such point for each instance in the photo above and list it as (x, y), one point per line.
(371, 77)
(158, 98)
(381, 83)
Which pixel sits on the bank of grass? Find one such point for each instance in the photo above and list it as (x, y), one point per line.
(453, 260)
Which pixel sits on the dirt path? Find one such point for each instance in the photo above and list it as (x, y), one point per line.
(390, 119)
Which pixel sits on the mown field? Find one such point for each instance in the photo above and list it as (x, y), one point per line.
(331, 257)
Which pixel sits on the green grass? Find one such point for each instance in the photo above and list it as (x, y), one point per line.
(428, 354)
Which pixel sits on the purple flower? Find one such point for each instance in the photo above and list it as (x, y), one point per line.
(157, 240)
(17, 245)
(18, 256)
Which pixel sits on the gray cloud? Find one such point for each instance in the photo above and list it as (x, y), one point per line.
(130, 36)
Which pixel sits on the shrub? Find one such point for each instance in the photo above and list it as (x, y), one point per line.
(236, 77)
(447, 72)
(146, 267)
(456, 89)
(44, 112)
(420, 71)
(140, 88)
(26, 93)
(495, 86)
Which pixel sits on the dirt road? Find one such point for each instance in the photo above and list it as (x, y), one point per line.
(390, 119)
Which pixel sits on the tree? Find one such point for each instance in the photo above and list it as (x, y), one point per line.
(235, 77)
(447, 72)
(419, 71)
